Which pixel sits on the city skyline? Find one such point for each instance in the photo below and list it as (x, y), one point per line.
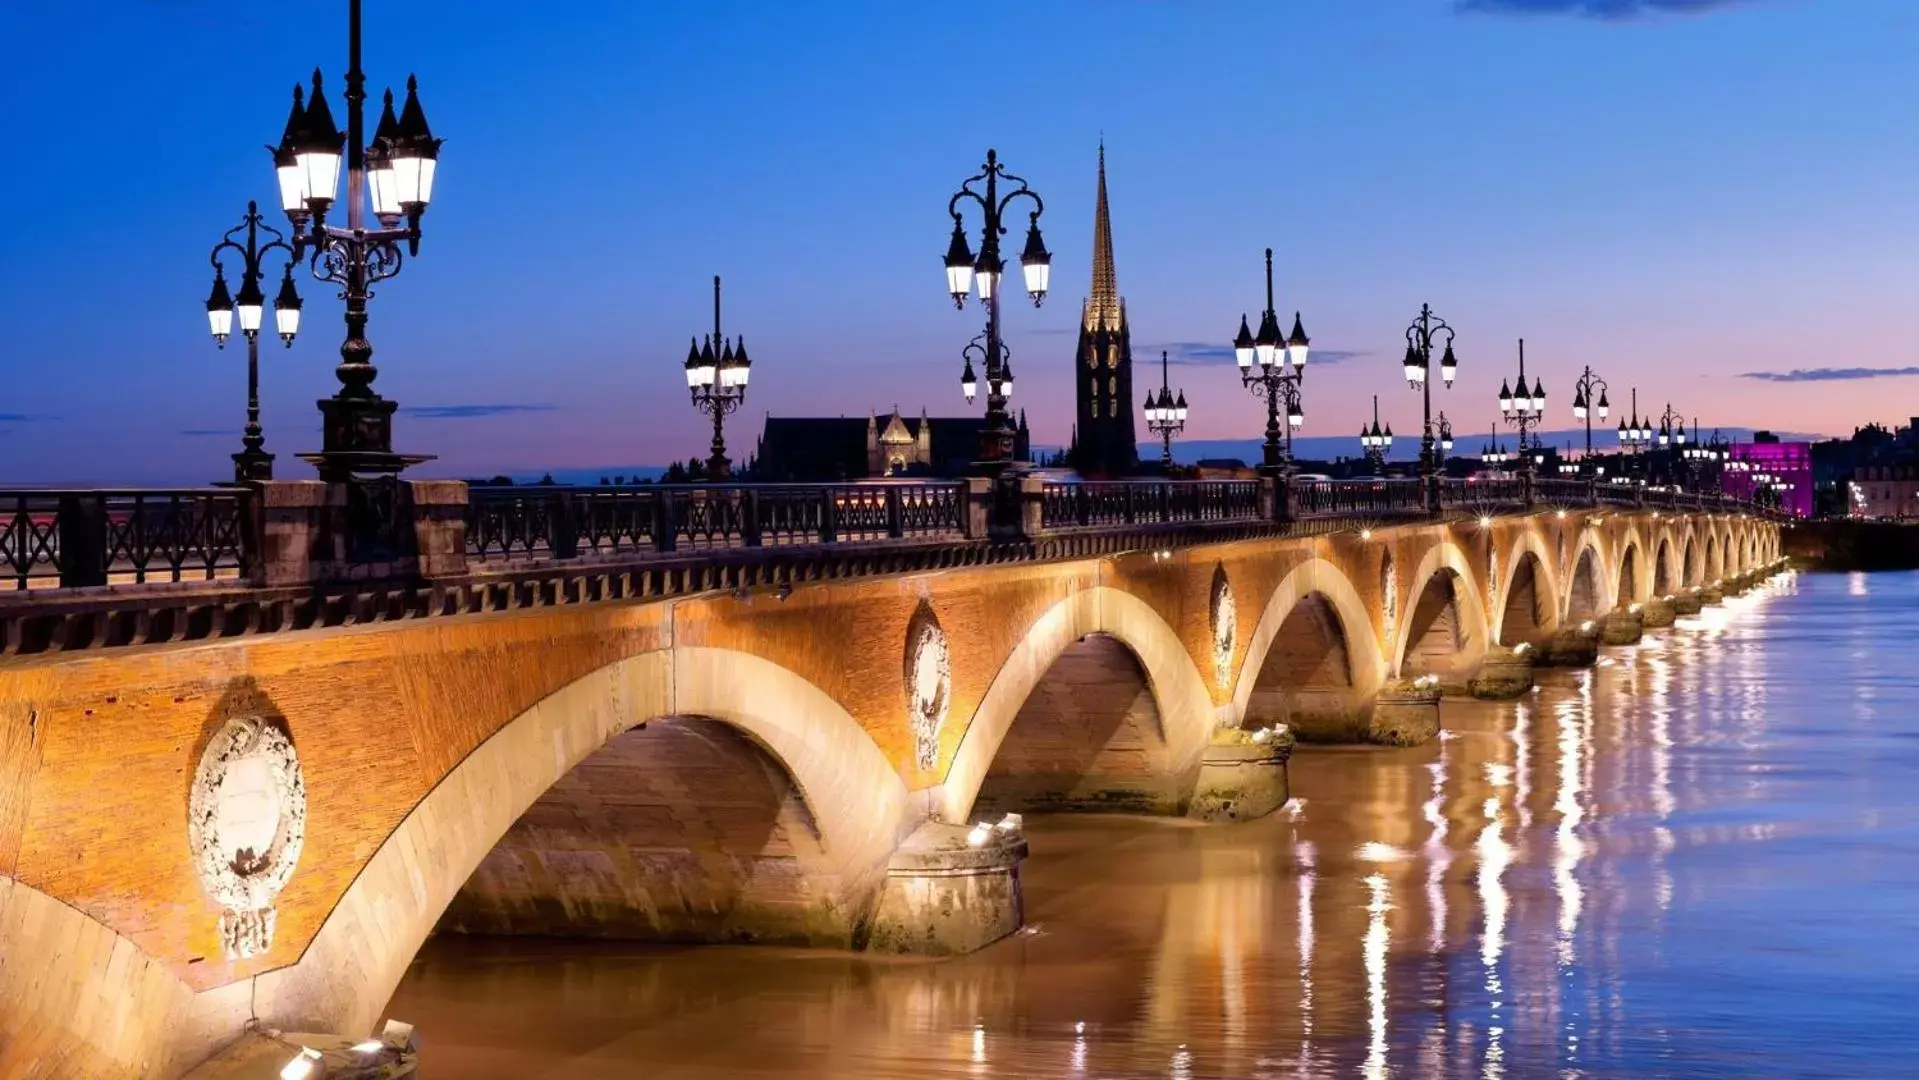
(587, 199)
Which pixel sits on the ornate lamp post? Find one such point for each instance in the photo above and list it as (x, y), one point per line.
(1445, 437)
(1419, 362)
(1634, 433)
(1524, 410)
(1493, 455)
(1165, 415)
(252, 462)
(1705, 459)
(395, 173)
(1376, 441)
(964, 272)
(1672, 435)
(1273, 365)
(1589, 402)
(716, 375)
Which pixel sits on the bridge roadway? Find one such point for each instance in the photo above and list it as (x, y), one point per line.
(249, 801)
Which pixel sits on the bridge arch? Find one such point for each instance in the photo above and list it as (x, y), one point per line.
(1327, 646)
(1664, 580)
(1630, 578)
(1185, 708)
(1528, 597)
(1445, 617)
(356, 960)
(1587, 590)
(1691, 561)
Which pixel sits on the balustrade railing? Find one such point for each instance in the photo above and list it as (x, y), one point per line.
(1084, 503)
(75, 539)
(1356, 498)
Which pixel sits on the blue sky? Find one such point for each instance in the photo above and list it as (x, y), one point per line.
(1678, 197)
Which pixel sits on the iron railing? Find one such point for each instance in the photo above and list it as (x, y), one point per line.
(1089, 504)
(1356, 498)
(567, 522)
(76, 539)
(72, 538)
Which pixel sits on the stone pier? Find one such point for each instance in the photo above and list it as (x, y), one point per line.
(950, 889)
(1658, 613)
(1243, 775)
(1506, 674)
(1406, 712)
(1623, 626)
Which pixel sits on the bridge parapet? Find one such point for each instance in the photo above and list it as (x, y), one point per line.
(94, 569)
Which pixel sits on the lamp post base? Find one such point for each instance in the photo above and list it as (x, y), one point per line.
(356, 439)
(252, 465)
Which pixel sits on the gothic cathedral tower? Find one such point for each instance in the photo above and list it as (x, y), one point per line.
(1103, 443)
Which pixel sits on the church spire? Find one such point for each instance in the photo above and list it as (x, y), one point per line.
(1103, 307)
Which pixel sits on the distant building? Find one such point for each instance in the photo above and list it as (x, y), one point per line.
(1884, 492)
(1790, 463)
(1104, 443)
(796, 449)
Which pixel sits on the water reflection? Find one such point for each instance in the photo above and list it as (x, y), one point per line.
(1684, 862)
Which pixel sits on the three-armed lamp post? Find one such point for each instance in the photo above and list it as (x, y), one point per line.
(1420, 337)
(1634, 433)
(1672, 436)
(1165, 415)
(1703, 459)
(252, 462)
(394, 173)
(716, 375)
(1589, 403)
(1273, 365)
(1524, 409)
(1493, 454)
(964, 272)
(1375, 441)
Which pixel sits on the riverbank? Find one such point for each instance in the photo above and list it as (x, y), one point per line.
(1852, 545)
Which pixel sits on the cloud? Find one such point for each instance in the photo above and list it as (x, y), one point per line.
(468, 412)
(1608, 10)
(1830, 374)
(24, 418)
(1207, 352)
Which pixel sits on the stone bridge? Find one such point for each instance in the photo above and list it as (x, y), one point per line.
(254, 827)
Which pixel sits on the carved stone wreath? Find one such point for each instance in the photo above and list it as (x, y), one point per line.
(1225, 625)
(929, 685)
(246, 822)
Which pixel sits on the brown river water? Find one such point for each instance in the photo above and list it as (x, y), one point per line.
(1700, 858)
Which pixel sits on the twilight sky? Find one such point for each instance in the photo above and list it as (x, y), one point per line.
(1710, 199)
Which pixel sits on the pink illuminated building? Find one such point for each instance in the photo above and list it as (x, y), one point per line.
(1787, 464)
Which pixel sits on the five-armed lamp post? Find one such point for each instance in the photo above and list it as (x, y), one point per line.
(1376, 441)
(716, 375)
(986, 272)
(1165, 415)
(1589, 403)
(395, 173)
(1524, 410)
(1420, 337)
(1273, 366)
(252, 462)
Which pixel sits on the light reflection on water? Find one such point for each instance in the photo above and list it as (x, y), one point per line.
(1701, 859)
